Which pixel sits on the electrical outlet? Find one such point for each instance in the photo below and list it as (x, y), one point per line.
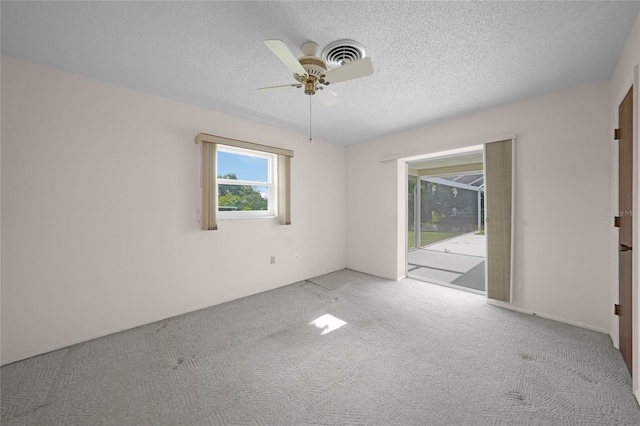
(273, 260)
(199, 214)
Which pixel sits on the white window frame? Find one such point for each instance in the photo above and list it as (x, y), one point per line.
(271, 185)
(281, 173)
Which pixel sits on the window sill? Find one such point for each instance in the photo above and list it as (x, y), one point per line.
(247, 217)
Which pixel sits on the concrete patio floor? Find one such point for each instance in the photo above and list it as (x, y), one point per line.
(458, 261)
(468, 244)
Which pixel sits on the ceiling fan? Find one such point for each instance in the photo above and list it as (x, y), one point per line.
(312, 73)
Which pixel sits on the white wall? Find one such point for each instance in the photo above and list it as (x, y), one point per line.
(624, 76)
(563, 182)
(100, 187)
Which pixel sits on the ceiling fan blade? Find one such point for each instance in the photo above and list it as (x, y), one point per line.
(284, 54)
(327, 97)
(264, 89)
(350, 71)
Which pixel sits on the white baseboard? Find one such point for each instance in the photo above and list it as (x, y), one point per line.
(509, 306)
(401, 278)
(68, 343)
(114, 330)
(192, 307)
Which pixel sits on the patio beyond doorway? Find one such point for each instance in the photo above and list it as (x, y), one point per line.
(445, 220)
(457, 261)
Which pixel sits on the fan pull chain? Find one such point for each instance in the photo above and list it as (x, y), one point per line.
(310, 138)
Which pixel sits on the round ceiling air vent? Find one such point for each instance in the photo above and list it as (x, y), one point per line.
(341, 52)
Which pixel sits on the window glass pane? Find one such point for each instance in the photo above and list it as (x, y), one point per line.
(242, 198)
(242, 167)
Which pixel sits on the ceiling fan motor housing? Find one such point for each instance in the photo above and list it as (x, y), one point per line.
(311, 61)
(314, 66)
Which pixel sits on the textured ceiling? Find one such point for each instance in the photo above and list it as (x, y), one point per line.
(432, 60)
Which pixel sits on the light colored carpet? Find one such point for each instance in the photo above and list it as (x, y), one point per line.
(410, 353)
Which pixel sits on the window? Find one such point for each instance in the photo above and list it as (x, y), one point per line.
(246, 183)
(243, 180)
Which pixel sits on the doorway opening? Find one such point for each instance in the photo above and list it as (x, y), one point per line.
(445, 221)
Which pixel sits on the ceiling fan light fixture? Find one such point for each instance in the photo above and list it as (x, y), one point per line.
(342, 52)
(310, 86)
